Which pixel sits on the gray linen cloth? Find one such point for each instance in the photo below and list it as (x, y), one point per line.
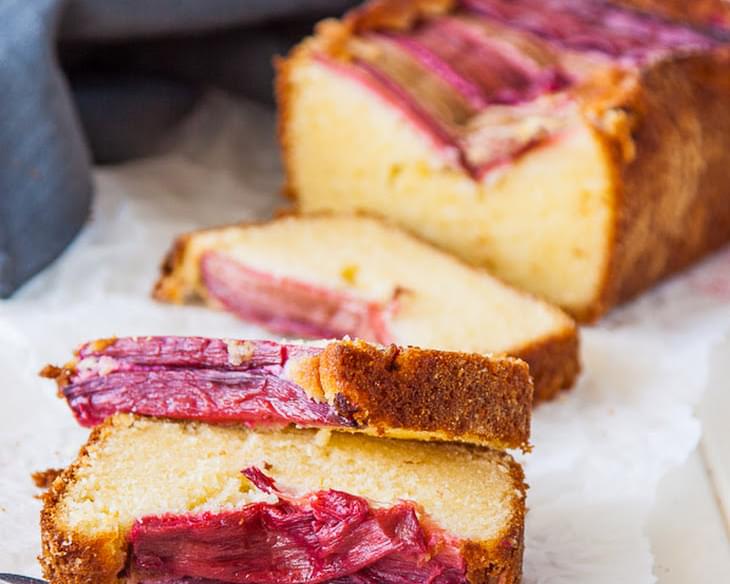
(101, 80)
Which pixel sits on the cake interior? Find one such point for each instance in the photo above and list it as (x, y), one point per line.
(470, 129)
(427, 298)
(142, 467)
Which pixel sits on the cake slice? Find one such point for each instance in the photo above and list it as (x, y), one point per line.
(178, 502)
(578, 149)
(350, 386)
(330, 276)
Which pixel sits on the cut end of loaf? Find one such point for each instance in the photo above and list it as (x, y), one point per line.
(349, 150)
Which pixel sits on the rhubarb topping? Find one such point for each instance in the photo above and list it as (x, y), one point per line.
(325, 536)
(596, 25)
(291, 307)
(192, 378)
(447, 74)
(482, 71)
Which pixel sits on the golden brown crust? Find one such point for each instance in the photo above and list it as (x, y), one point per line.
(451, 393)
(70, 558)
(671, 201)
(554, 362)
(282, 92)
(168, 288)
(43, 479)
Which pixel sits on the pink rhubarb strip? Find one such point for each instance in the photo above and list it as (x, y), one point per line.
(193, 378)
(291, 307)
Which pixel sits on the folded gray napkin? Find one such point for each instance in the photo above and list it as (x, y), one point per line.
(103, 80)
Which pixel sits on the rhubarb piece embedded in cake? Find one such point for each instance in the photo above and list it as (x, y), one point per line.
(579, 149)
(292, 307)
(320, 537)
(158, 501)
(334, 276)
(339, 385)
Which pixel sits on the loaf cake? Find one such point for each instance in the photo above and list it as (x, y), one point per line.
(151, 501)
(350, 386)
(329, 276)
(578, 149)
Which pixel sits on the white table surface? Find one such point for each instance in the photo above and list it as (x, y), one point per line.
(689, 526)
(687, 530)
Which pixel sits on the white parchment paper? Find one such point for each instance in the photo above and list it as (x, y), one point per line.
(599, 452)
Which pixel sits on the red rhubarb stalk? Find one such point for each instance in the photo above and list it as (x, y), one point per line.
(325, 536)
(291, 307)
(192, 378)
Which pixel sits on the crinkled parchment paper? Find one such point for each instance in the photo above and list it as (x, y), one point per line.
(599, 452)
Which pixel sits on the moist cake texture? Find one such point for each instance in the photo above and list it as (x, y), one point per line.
(136, 477)
(579, 149)
(329, 276)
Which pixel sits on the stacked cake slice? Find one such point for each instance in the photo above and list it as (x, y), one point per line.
(349, 386)
(158, 501)
(577, 148)
(237, 462)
